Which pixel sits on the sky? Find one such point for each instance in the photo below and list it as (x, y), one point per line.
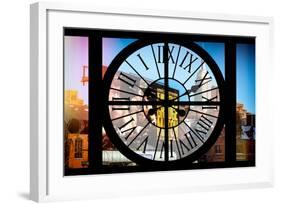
(245, 71)
(216, 50)
(76, 55)
(112, 46)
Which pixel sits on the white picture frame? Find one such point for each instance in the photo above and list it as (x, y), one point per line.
(47, 182)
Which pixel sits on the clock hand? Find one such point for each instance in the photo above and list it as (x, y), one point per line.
(152, 111)
(149, 93)
(193, 89)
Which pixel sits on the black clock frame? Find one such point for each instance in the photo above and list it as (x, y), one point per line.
(112, 69)
(97, 95)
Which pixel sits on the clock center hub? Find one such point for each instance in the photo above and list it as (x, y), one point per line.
(156, 102)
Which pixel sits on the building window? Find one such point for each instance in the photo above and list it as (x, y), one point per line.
(218, 149)
(78, 148)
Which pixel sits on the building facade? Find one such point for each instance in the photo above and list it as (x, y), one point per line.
(75, 131)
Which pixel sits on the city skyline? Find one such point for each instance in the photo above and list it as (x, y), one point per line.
(78, 47)
(245, 78)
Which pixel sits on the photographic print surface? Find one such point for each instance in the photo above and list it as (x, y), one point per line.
(144, 101)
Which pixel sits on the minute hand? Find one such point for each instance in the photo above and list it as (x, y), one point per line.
(193, 89)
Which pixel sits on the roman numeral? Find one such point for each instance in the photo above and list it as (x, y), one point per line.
(120, 107)
(146, 67)
(162, 149)
(171, 148)
(194, 133)
(138, 134)
(205, 124)
(144, 142)
(126, 79)
(154, 57)
(212, 99)
(170, 56)
(190, 139)
(159, 54)
(175, 68)
(159, 134)
(204, 91)
(204, 80)
(195, 71)
(177, 143)
(183, 146)
(123, 129)
(207, 114)
(189, 62)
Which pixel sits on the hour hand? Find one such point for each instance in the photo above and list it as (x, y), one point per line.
(194, 89)
(152, 111)
(151, 95)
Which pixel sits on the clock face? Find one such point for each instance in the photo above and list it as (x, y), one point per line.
(164, 102)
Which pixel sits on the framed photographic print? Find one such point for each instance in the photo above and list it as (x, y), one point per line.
(122, 97)
(160, 101)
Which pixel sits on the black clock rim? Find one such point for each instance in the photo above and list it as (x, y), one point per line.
(110, 130)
